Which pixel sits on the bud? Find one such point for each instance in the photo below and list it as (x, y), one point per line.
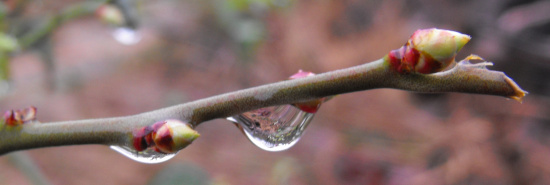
(110, 14)
(19, 117)
(173, 136)
(142, 138)
(309, 106)
(9, 118)
(427, 51)
(441, 45)
(166, 137)
(301, 74)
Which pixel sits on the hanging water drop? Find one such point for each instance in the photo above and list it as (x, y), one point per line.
(158, 142)
(149, 156)
(274, 128)
(127, 36)
(278, 128)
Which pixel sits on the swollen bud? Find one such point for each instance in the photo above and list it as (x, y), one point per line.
(166, 137)
(110, 14)
(427, 51)
(173, 136)
(441, 45)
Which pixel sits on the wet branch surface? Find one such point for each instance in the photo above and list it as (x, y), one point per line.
(463, 77)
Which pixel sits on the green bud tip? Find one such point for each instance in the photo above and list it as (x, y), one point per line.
(173, 136)
(427, 51)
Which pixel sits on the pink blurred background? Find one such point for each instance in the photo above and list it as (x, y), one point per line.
(195, 49)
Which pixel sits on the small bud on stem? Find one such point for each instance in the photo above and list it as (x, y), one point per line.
(167, 136)
(19, 117)
(309, 106)
(110, 14)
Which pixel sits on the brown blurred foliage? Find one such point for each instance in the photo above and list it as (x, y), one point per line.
(191, 50)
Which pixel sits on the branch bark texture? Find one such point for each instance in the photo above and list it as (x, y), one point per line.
(463, 77)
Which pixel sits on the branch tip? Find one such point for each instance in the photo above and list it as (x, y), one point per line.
(465, 64)
(518, 92)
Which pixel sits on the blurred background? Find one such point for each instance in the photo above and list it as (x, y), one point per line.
(90, 59)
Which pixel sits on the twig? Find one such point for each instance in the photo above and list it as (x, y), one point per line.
(464, 77)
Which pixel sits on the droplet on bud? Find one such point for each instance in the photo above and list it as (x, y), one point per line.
(127, 36)
(309, 106)
(158, 142)
(149, 156)
(273, 128)
(278, 128)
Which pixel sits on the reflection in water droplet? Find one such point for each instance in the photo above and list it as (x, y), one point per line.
(127, 36)
(273, 128)
(149, 156)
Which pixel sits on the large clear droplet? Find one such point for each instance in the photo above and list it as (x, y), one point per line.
(148, 156)
(274, 128)
(127, 36)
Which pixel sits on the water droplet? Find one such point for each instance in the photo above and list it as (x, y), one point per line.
(149, 156)
(126, 36)
(274, 128)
